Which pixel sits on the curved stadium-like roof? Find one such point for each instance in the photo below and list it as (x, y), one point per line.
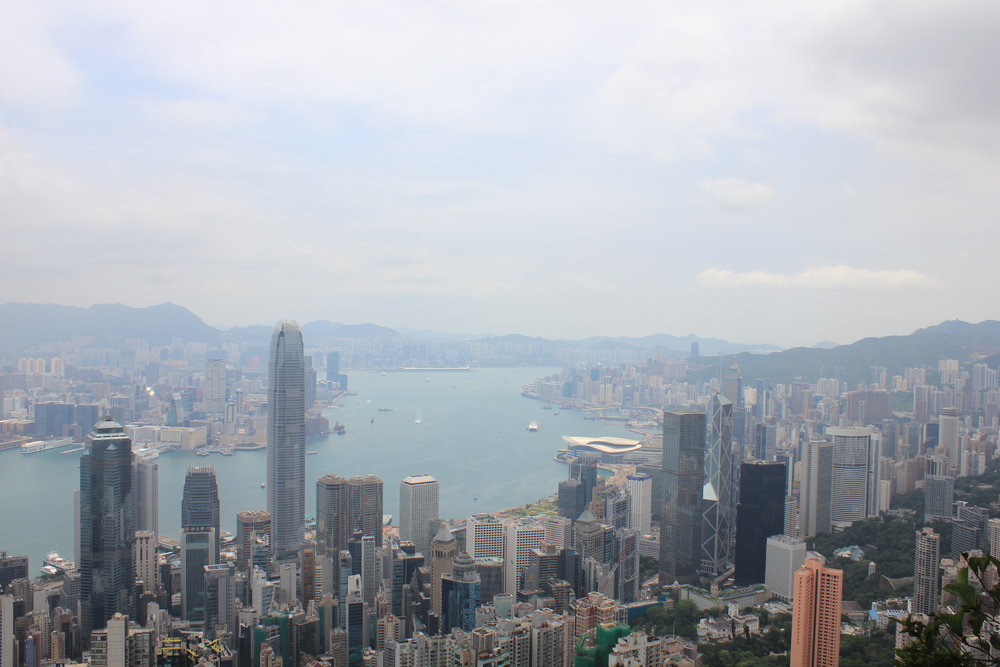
(603, 445)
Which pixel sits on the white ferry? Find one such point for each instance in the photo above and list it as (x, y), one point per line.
(58, 563)
(532, 425)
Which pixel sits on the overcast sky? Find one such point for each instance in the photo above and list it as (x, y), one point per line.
(756, 171)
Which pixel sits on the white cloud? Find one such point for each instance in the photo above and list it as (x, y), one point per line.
(831, 277)
(736, 193)
(202, 111)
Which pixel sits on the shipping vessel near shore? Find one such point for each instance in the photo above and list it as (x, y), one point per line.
(54, 564)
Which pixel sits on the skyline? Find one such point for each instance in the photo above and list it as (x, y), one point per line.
(780, 171)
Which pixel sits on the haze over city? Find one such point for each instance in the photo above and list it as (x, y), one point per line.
(768, 173)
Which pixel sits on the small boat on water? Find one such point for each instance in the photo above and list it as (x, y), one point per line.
(532, 425)
(340, 429)
(263, 484)
(312, 452)
(385, 409)
(201, 452)
(417, 420)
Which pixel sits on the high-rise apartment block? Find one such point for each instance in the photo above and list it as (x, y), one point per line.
(816, 607)
(683, 474)
(418, 504)
(926, 573)
(286, 438)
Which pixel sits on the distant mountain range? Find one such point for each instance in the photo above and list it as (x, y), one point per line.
(29, 326)
(953, 339)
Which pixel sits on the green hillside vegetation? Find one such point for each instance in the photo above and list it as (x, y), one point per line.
(949, 340)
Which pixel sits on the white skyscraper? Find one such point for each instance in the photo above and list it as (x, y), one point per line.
(484, 535)
(784, 556)
(418, 504)
(926, 579)
(640, 487)
(214, 387)
(558, 531)
(816, 488)
(948, 437)
(523, 535)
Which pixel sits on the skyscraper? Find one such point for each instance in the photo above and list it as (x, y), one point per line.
(200, 502)
(948, 437)
(366, 505)
(522, 535)
(926, 575)
(640, 487)
(286, 439)
(939, 497)
(816, 488)
(443, 552)
(147, 492)
(484, 535)
(253, 537)
(816, 615)
(759, 515)
(683, 474)
(418, 504)
(333, 513)
(107, 526)
(199, 547)
(214, 388)
(856, 462)
(785, 556)
(7, 638)
(719, 500)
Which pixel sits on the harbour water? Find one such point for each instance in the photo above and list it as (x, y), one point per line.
(472, 437)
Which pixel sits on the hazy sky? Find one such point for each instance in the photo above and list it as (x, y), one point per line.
(757, 171)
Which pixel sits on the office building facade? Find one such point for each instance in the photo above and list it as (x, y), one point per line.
(107, 526)
(759, 515)
(418, 504)
(286, 438)
(683, 473)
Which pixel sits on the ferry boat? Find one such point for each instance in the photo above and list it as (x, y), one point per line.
(532, 425)
(312, 452)
(58, 563)
(339, 429)
(417, 420)
(201, 452)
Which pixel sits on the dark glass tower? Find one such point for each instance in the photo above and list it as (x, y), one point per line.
(759, 515)
(286, 439)
(107, 527)
(200, 502)
(683, 478)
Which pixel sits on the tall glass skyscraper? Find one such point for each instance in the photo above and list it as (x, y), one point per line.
(683, 479)
(286, 438)
(200, 502)
(718, 532)
(107, 527)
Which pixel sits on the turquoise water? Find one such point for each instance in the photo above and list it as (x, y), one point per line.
(472, 437)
